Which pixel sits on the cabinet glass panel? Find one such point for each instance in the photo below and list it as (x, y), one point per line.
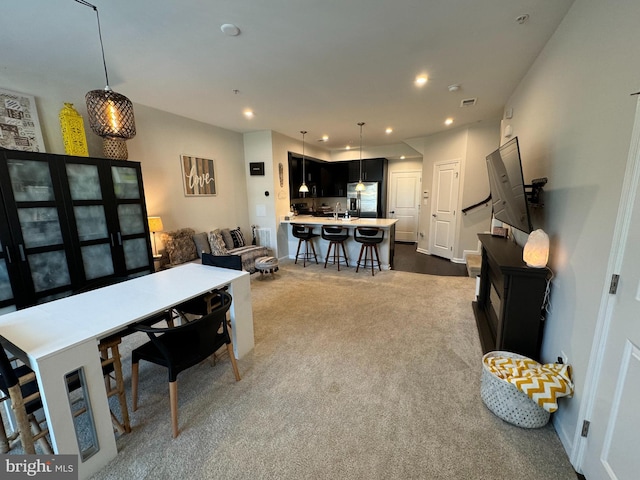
(84, 182)
(6, 292)
(125, 182)
(30, 180)
(97, 261)
(91, 222)
(130, 217)
(49, 270)
(135, 253)
(40, 226)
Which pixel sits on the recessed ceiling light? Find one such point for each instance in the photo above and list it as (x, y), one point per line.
(454, 87)
(421, 80)
(388, 130)
(325, 138)
(522, 18)
(230, 29)
(402, 157)
(249, 113)
(348, 147)
(448, 121)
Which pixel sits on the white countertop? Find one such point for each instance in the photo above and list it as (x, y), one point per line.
(354, 222)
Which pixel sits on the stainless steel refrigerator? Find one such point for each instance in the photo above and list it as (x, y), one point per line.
(363, 204)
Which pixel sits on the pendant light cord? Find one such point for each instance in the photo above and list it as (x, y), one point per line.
(361, 124)
(104, 62)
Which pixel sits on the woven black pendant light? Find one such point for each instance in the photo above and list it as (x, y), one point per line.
(110, 113)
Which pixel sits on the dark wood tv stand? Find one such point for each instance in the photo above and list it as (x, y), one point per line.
(509, 310)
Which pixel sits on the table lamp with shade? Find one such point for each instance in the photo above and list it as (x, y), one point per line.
(155, 225)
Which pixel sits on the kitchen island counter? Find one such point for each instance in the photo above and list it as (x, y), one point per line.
(386, 248)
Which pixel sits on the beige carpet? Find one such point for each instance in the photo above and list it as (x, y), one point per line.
(352, 377)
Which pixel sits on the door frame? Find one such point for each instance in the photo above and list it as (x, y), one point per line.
(631, 181)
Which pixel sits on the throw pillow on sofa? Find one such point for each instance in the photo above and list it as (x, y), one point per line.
(228, 239)
(216, 242)
(238, 238)
(202, 243)
(179, 246)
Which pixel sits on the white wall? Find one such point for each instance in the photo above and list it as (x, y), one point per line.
(161, 139)
(573, 116)
(469, 145)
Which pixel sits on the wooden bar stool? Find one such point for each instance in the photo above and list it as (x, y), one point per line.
(304, 233)
(369, 237)
(336, 236)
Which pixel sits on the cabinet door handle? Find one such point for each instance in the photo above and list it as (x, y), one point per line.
(22, 257)
(8, 253)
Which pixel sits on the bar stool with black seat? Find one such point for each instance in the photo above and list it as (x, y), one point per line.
(370, 238)
(304, 233)
(336, 236)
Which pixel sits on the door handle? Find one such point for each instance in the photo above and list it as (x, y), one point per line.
(434, 215)
(8, 253)
(22, 257)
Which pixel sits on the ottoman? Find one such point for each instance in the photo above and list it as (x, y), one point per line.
(267, 265)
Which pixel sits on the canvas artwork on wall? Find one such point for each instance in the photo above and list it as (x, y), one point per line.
(19, 124)
(198, 176)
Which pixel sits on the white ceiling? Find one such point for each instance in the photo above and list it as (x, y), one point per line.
(317, 65)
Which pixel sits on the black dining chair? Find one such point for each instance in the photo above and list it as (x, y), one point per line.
(181, 347)
(203, 304)
(18, 384)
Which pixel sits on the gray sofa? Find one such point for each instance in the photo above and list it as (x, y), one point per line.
(185, 245)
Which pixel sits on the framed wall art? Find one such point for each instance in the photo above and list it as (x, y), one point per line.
(19, 123)
(198, 176)
(256, 168)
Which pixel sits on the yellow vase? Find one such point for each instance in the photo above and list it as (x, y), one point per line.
(72, 125)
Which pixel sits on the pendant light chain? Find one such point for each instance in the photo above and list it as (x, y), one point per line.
(360, 186)
(104, 62)
(303, 187)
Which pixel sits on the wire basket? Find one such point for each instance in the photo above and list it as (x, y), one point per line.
(506, 401)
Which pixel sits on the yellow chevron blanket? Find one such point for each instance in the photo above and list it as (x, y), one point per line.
(542, 383)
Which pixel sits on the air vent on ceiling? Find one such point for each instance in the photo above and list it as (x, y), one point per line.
(468, 102)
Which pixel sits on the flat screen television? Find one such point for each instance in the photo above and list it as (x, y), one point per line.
(508, 196)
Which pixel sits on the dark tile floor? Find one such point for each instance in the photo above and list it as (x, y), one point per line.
(407, 259)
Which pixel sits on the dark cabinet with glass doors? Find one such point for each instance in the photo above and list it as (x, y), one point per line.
(66, 222)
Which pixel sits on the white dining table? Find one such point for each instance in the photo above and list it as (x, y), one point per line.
(61, 336)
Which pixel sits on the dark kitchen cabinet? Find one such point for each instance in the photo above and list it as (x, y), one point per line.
(68, 221)
(373, 170)
(333, 179)
(324, 179)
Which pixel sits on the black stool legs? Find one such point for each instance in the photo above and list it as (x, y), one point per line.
(304, 234)
(336, 237)
(369, 237)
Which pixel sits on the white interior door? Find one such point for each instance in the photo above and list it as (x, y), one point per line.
(611, 450)
(404, 204)
(444, 208)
